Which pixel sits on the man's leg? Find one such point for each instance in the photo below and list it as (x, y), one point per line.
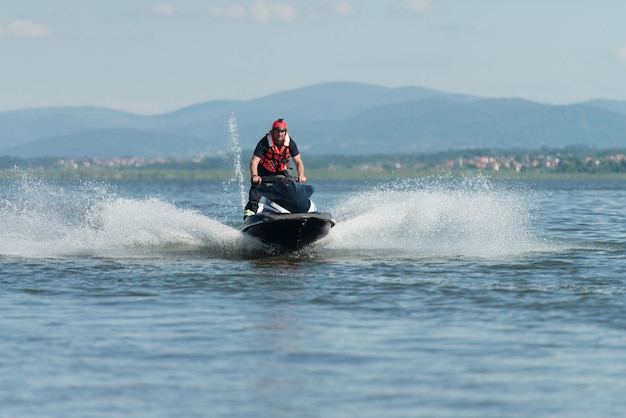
(253, 201)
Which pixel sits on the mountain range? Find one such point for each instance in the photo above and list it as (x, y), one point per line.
(329, 118)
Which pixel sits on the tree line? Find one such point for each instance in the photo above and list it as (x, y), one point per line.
(580, 159)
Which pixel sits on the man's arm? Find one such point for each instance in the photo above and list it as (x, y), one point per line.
(300, 168)
(254, 169)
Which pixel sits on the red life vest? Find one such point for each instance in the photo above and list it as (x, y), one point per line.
(276, 159)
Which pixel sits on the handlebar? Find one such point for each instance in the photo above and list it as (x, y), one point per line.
(276, 178)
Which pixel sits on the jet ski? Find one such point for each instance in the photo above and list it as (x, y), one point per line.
(286, 216)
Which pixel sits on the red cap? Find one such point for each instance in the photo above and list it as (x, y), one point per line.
(280, 124)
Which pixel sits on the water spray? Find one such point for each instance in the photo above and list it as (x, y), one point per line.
(235, 149)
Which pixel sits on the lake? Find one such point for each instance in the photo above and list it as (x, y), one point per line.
(439, 297)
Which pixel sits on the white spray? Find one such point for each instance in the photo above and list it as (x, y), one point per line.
(42, 218)
(446, 217)
(235, 150)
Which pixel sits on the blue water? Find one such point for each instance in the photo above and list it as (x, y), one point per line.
(438, 298)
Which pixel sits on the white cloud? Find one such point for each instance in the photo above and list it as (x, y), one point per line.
(262, 12)
(164, 9)
(343, 8)
(26, 29)
(284, 12)
(621, 53)
(232, 12)
(259, 11)
(324, 10)
(412, 6)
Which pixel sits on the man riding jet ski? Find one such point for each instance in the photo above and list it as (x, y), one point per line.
(270, 158)
(286, 216)
(279, 210)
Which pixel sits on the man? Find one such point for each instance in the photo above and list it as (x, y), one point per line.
(270, 158)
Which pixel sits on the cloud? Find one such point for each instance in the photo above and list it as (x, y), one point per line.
(164, 9)
(26, 29)
(342, 8)
(326, 10)
(259, 11)
(232, 12)
(412, 6)
(621, 53)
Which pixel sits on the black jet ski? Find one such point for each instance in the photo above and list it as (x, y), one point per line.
(286, 216)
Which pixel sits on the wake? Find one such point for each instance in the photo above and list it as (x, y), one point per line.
(443, 218)
(469, 217)
(39, 218)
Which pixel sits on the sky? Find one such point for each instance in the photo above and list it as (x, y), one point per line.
(153, 57)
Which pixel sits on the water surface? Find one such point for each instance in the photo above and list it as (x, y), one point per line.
(440, 297)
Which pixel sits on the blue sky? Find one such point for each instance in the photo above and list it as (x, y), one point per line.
(150, 56)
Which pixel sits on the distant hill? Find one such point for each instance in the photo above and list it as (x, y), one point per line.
(612, 105)
(330, 118)
(102, 143)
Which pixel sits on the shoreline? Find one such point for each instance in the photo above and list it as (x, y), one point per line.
(312, 174)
